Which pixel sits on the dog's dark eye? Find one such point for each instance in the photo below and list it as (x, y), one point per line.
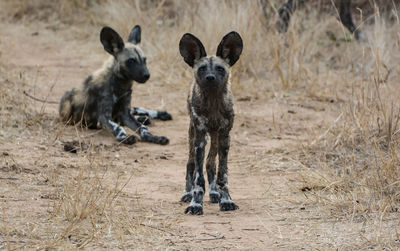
(144, 59)
(130, 62)
(203, 68)
(220, 69)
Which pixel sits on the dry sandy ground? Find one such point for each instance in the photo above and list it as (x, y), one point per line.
(264, 179)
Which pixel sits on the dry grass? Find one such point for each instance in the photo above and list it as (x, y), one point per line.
(361, 144)
(348, 166)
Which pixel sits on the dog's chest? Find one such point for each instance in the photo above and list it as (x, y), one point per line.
(212, 116)
(119, 94)
(119, 99)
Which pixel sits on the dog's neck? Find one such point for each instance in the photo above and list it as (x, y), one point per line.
(121, 81)
(211, 99)
(212, 93)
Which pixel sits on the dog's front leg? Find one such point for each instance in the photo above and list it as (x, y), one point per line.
(118, 131)
(196, 205)
(225, 203)
(142, 130)
(187, 196)
(210, 167)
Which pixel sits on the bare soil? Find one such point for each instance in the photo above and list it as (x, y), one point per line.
(264, 178)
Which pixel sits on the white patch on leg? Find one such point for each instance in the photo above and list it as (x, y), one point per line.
(151, 113)
(198, 189)
(143, 131)
(213, 188)
(202, 121)
(224, 188)
(114, 125)
(226, 200)
(212, 184)
(194, 191)
(213, 192)
(194, 204)
(121, 134)
(197, 175)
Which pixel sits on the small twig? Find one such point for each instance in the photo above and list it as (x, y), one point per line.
(215, 222)
(159, 229)
(250, 229)
(211, 239)
(40, 100)
(212, 235)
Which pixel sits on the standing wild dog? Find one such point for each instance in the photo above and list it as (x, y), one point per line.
(211, 112)
(288, 8)
(105, 96)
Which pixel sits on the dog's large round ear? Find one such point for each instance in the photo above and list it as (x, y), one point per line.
(135, 35)
(111, 41)
(230, 47)
(191, 49)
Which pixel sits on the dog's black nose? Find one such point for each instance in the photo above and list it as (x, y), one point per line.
(146, 75)
(210, 77)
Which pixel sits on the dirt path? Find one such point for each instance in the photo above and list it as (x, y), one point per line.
(264, 182)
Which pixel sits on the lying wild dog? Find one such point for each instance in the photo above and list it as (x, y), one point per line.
(105, 96)
(211, 112)
(287, 9)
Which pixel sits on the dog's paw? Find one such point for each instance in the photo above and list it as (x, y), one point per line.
(194, 209)
(228, 206)
(146, 136)
(187, 197)
(144, 120)
(163, 140)
(214, 197)
(130, 140)
(163, 115)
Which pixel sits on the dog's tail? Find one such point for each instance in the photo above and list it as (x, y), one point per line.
(71, 106)
(65, 107)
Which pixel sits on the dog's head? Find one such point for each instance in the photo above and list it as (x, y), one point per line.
(129, 56)
(211, 72)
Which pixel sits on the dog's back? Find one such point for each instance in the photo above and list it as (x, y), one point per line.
(71, 106)
(79, 105)
(74, 102)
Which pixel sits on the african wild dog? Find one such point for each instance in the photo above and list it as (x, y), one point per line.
(287, 9)
(105, 96)
(211, 112)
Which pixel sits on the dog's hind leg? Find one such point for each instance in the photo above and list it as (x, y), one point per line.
(187, 195)
(347, 20)
(196, 205)
(285, 13)
(153, 114)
